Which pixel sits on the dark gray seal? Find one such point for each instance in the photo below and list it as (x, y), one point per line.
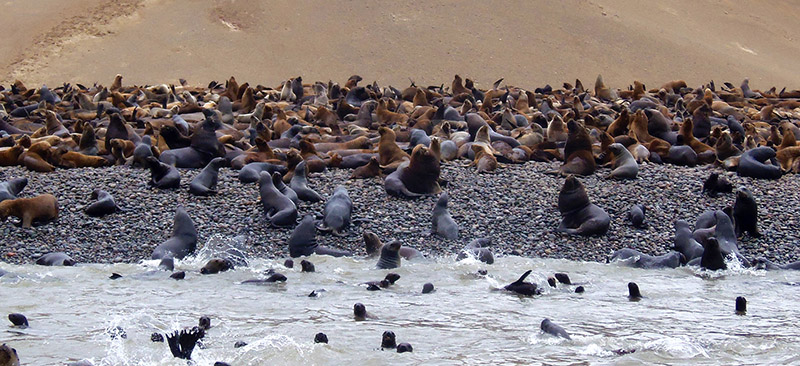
(637, 259)
(19, 320)
(684, 242)
(755, 163)
(523, 288)
(636, 215)
(478, 248)
(205, 183)
(250, 173)
(443, 223)
(712, 258)
(745, 213)
(304, 241)
(55, 259)
(104, 204)
(279, 209)
(204, 146)
(716, 184)
(142, 151)
(725, 234)
(10, 189)
(360, 312)
(162, 175)
(336, 215)
(373, 246)
(183, 240)
(277, 180)
(579, 216)
(624, 166)
(766, 264)
(554, 329)
(390, 256)
(299, 184)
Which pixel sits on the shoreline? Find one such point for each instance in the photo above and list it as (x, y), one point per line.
(515, 206)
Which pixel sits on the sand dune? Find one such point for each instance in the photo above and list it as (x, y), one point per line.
(529, 43)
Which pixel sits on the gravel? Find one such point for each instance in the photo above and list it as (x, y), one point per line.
(516, 206)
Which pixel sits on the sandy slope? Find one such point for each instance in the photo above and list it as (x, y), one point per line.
(527, 42)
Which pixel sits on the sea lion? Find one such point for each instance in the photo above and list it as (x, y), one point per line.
(318, 338)
(394, 186)
(307, 266)
(422, 174)
(10, 189)
(183, 240)
(712, 258)
(217, 265)
(19, 320)
(637, 259)
(279, 209)
(484, 161)
(554, 329)
(427, 288)
(636, 215)
(404, 347)
(41, 208)
(182, 343)
(523, 288)
(35, 158)
(10, 156)
(725, 234)
(142, 150)
(104, 204)
(371, 169)
(443, 223)
(754, 163)
(205, 183)
(373, 246)
(162, 176)
(578, 157)
(360, 312)
(8, 356)
(579, 215)
(303, 241)
(250, 173)
(624, 166)
(204, 146)
(277, 180)
(766, 264)
(390, 256)
(716, 184)
(684, 242)
(299, 184)
(337, 211)
(478, 249)
(55, 259)
(167, 264)
(388, 340)
(745, 213)
(389, 154)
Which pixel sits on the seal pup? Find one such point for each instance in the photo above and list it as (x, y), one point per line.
(523, 288)
(685, 243)
(183, 240)
(371, 169)
(636, 216)
(754, 163)
(579, 215)
(712, 258)
(162, 175)
(360, 312)
(637, 259)
(205, 183)
(18, 320)
(745, 213)
(373, 246)
(624, 165)
(716, 184)
(553, 329)
(299, 184)
(279, 209)
(10, 189)
(477, 248)
(104, 204)
(8, 356)
(41, 208)
(390, 256)
(337, 211)
(443, 223)
(303, 241)
(55, 259)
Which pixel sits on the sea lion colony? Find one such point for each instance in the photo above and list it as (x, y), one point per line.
(276, 136)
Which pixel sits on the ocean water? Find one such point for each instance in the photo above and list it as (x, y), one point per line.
(686, 316)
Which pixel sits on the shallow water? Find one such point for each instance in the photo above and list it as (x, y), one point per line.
(686, 317)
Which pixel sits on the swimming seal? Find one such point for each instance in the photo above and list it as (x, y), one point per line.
(205, 183)
(279, 209)
(390, 256)
(18, 320)
(10, 189)
(182, 343)
(337, 211)
(712, 258)
(633, 292)
(477, 248)
(404, 347)
(183, 240)
(321, 338)
(443, 223)
(741, 305)
(360, 312)
(427, 288)
(303, 241)
(579, 216)
(388, 340)
(754, 163)
(373, 246)
(55, 259)
(8, 356)
(745, 213)
(306, 266)
(299, 184)
(41, 208)
(554, 329)
(104, 205)
(217, 265)
(523, 288)
(624, 166)
(637, 259)
(162, 176)
(684, 242)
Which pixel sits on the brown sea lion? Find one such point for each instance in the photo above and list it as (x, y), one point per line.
(578, 151)
(389, 154)
(372, 169)
(387, 117)
(10, 156)
(35, 158)
(72, 159)
(422, 174)
(484, 161)
(40, 208)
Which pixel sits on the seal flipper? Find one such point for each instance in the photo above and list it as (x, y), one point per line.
(524, 275)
